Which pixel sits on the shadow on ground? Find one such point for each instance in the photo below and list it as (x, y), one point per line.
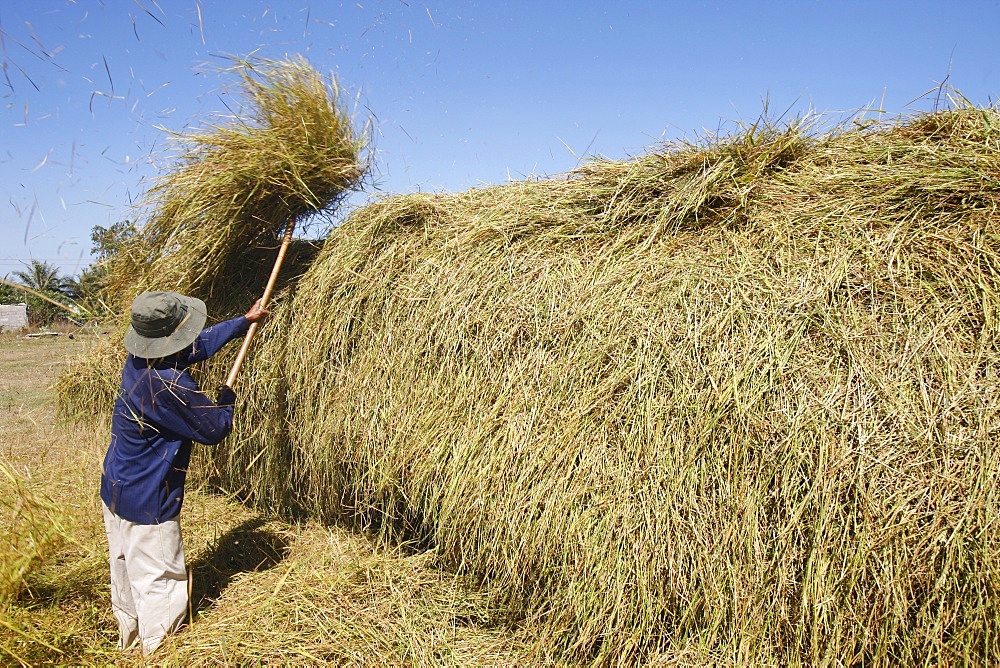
(247, 548)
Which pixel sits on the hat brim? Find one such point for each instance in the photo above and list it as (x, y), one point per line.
(176, 341)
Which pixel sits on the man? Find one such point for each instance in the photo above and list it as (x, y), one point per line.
(159, 412)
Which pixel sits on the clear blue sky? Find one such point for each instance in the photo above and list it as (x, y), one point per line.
(462, 93)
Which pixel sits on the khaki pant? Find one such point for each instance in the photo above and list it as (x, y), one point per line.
(149, 594)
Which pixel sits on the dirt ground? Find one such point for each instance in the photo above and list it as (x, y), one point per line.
(264, 589)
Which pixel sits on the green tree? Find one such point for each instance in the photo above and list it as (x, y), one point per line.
(43, 278)
(9, 295)
(90, 289)
(107, 241)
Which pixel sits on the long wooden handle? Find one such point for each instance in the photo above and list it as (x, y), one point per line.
(285, 241)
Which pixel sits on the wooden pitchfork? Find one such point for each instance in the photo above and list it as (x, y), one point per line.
(285, 241)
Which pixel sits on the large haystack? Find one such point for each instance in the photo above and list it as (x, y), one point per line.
(723, 403)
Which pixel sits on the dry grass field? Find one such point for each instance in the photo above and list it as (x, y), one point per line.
(265, 590)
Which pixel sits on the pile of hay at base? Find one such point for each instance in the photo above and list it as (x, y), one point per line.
(733, 402)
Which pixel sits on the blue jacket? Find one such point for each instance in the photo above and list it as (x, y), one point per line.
(159, 412)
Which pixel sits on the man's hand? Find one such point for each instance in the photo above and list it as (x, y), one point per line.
(257, 313)
(226, 396)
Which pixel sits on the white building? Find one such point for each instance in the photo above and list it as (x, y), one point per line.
(13, 317)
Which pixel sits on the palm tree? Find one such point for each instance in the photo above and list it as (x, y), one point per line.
(41, 277)
(88, 291)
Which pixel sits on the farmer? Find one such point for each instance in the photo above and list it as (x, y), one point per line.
(159, 412)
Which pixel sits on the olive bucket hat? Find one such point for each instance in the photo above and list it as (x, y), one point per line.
(164, 323)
